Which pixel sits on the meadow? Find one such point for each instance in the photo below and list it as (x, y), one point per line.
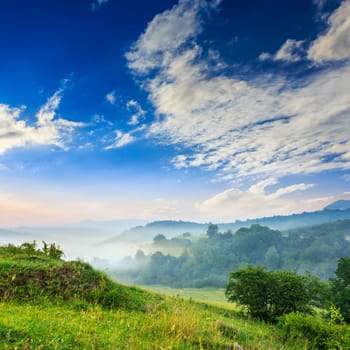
(47, 303)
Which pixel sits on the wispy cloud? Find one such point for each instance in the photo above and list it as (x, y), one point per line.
(165, 34)
(121, 139)
(334, 44)
(290, 51)
(47, 130)
(111, 98)
(139, 113)
(235, 203)
(97, 4)
(258, 127)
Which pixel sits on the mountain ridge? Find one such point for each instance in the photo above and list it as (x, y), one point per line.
(171, 228)
(342, 204)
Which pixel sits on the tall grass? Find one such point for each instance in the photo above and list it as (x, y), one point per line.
(173, 324)
(49, 304)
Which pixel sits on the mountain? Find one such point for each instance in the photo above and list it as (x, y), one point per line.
(338, 205)
(286, 222)
(171, 229)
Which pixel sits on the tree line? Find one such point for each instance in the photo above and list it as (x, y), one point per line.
(207, 261)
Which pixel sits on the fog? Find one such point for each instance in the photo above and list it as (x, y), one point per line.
(88, 241)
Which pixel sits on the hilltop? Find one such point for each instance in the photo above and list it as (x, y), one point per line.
(30, 274)
(171, 228)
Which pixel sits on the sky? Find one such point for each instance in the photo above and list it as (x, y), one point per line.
(203, 110)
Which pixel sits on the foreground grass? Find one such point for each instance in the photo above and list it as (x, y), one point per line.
(174, 324)
(47, 303)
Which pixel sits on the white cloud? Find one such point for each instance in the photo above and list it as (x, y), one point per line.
(48, 130)
(111, 98)
(97, 4)
(334, 44)
(139, 112)
(290, 51)
(264, 56)
(235, 203)
(165, 34)
(262, 127)
(121, 139)
(99, 119)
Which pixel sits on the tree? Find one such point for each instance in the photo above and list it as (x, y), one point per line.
(55, 252)
(159, 238)
(272, 258)
(140, 255)
(212, 230)
(341, 288)
(269, 294)
(250, 287)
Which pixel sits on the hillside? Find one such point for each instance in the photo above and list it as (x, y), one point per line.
(33, 275)
(172, 229)
(207, 261)
(169, 228)
(48, 303)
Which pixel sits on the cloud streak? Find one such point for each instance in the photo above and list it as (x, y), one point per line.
(121, 139)
(47, 129)
(259, 127)
(290, 51)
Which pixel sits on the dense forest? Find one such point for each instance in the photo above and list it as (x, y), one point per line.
(207, 261)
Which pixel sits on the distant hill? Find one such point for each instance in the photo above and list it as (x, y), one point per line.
(176, 228)
(286, 222)
(338, 205)
(168, 228)
(334, 228)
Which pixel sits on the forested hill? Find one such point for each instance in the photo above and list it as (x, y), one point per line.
(176, 228)
(208, 260)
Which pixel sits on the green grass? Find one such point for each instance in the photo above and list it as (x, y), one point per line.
(175, 324)
(53, 304)
(214, 296)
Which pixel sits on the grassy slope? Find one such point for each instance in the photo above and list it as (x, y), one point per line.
(52, 304)
(213, 296)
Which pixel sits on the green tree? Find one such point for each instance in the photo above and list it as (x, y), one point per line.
(269, 294)
(159, 238)
(272, 258)
(212, 230)
(341, 287)
(140, 255)
(55, 252)
(250, 287)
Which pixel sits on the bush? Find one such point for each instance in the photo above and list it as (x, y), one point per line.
(270, 294)
(313, 332)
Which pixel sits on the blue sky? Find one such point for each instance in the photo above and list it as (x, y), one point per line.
(194, 110)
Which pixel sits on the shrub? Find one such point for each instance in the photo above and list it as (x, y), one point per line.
(313, 332)
(270, 294)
